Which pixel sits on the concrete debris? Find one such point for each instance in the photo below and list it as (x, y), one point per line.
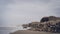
(47, 24)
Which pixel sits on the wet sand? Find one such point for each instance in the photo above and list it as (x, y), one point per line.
(31, 32)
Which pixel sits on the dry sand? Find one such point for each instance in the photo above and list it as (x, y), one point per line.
(31, 32)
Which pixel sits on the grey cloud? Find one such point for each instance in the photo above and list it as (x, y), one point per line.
(3, 5)
(25, 11)
(45, 1)
(55, 7)
(57, 11)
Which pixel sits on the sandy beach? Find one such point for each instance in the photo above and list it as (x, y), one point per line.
(31, 32)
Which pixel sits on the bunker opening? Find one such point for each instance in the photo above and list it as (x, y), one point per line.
(44, 19)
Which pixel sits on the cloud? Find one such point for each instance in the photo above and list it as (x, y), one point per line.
(55, 7)
(24, 11)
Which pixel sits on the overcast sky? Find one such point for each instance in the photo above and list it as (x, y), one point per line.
(15, 12)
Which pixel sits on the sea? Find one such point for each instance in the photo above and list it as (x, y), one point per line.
(8, 30)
